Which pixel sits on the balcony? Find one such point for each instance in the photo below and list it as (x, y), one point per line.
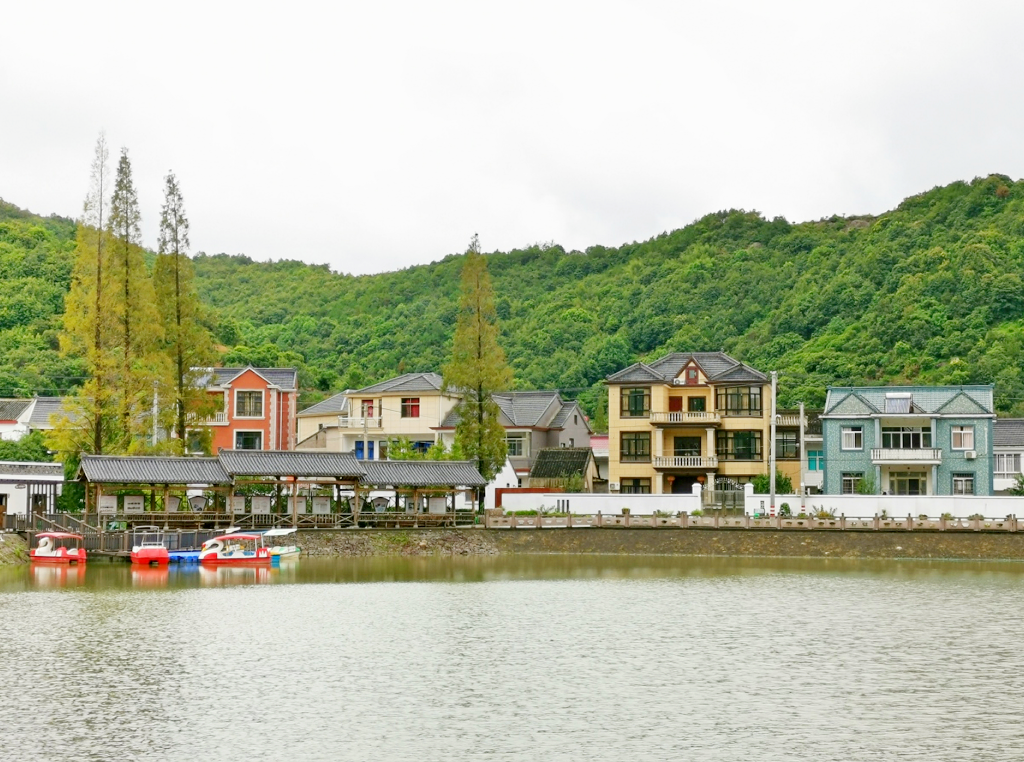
(686, 419)
(360, 423)
(685, 461)
(787, 419)
(895, 455)
(217, 419)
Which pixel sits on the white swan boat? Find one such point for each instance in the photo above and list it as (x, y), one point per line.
(238, 549)
(58, 548)
(281, 551)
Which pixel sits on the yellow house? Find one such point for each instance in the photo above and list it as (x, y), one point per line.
(687, 418)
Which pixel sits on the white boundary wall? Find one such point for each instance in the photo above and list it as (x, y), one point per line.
(589, 503)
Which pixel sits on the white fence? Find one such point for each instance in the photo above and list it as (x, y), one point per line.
(587, 503)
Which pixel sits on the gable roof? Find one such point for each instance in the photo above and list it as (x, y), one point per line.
(136, 469)
(970, 401)
(335, 405)
(561, 462)
(285, 378)
(409, 382)
(1008, 432)
(422, 473)
(45, 407)
(11, 409)
(524, 410)
(335, 465)
(718, 367)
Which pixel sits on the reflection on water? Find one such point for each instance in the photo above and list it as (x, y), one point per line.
(523, 657)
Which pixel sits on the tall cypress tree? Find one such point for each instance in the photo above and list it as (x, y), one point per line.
(477, 369)
(186, 342)
(88, 324)
(138, 326)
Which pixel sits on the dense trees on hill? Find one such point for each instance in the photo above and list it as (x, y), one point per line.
(929, 292)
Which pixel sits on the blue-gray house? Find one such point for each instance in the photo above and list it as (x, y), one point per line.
(908, 440)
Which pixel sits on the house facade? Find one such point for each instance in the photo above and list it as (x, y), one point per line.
(533, 421)
(14, 418)
(687, 418)
(256, 408)
(320, 422)
(1007, 452)
(908, 440)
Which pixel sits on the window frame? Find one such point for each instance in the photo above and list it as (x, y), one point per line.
(238, 407)
(965, 433)
(635, 485)
(790, 448)
(857, 432)
(1001, 457)
(904, 437)
(725, 445)
(635, 453)
(510, 450)
(626, 397)
(815, 460)
(851, 479)
(409, 407)
(739, 400)
(965, 479)
(259, 436)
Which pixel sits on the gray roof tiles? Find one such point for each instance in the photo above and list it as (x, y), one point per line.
(335, 405)
(21, 468)
(560, 462)
(335, 465)
(409, 382)
(422, 473)
(975, 400)
(286, 378)
(1008, 432)
(11, 409)
(523, 410)
(42, 410)
(717, 366)
(134, 469)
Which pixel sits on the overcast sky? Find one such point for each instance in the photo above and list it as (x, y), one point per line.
(373, 136)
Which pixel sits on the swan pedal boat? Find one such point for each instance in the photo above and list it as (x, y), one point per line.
(58, 548)
(282, 551)
(149, 549)
(235, 549)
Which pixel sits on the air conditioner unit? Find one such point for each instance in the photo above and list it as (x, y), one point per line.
(613, 486)
(971, 454)
(678, 382)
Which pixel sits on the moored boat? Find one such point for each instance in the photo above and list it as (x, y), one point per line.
(235, 549)
(281, 551)
(148, 547)
(58, 548)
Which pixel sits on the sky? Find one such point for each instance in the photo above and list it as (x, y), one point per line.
(376, 136)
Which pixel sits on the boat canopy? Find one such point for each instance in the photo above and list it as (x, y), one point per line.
(238, 537)
(60, 535)
(280, 532)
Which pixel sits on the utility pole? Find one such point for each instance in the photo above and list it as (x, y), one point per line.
(803, 456)
(156, 402)
(771, 462)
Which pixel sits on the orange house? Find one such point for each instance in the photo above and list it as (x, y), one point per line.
(256, 408)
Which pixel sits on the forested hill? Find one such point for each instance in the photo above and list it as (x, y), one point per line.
(930, 292)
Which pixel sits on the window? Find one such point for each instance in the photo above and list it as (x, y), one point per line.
(787, 445)
(853, 437)
(696, 404)
(635, 487)
(738, 445)
(815, 460)
(1007, 464)
(422, 447)
(851, 481)
(249, 405)
(636, 403)
(248, 440)
(906, 438)
(963, 437)
(516, 444)
(360, 454)
(691, 376)
(963, 484)
(686, 447)
(908, 483)
(739, 400)
(636, 447)
(410, 407)
(366, 406)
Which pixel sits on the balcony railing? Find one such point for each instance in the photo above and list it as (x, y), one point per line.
(787, 419)
(358, 423)
(217, 419)
(694, 418)
(685, 461)
(906, 455)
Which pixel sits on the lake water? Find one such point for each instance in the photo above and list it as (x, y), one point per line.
(520, 658)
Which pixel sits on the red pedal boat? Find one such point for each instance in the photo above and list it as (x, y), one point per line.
(148, 547)
(58, 548)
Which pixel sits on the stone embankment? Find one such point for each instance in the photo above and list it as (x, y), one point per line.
(723, 542)
(13, 549)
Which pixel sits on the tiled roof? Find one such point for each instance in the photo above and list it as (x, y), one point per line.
(337, 465)
(717, 366)
(43, 408)
(11, 409)
(422, 473)
(335, 405)
(1008, 432)
(21, 468)
(935, 400)
(409, 382)
(560, 462)
(522, 410)
(286, 378)
(117, 469)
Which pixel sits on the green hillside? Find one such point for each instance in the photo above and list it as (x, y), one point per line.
(930, 292)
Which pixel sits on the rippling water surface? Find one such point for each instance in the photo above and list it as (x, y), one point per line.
(547, 657)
